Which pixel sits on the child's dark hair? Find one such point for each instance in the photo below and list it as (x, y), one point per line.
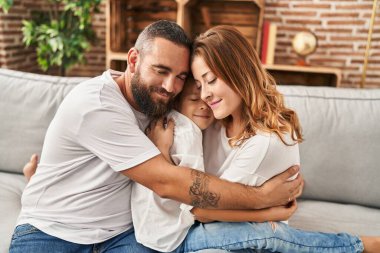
(189, 81)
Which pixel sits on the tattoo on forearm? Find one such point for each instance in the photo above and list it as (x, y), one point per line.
(199, 192)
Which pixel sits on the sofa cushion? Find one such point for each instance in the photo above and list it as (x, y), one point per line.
(340, 156)
(28, 102)
(11, 187)
(334, 218)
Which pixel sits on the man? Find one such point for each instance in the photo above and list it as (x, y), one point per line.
(79, 198)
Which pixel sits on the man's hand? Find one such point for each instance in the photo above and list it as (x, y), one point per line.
(279, 191)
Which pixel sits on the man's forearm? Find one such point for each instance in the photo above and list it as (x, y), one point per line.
(206, 191)
(193, 187)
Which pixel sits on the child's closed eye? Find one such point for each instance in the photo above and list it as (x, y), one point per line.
(194, 97)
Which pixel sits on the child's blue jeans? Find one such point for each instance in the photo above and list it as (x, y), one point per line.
(266, 237)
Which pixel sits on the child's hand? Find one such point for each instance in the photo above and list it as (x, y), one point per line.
(161, 133)
(281, 213)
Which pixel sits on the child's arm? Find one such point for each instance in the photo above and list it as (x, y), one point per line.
(278, 213)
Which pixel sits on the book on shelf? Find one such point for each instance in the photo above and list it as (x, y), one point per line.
(268, 45)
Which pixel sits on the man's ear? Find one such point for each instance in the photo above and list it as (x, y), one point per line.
(132, 59)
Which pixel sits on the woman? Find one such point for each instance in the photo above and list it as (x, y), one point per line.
(256, 137)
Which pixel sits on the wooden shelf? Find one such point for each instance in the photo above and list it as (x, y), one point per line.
(197, 16)
(304, 75)
(125, 19)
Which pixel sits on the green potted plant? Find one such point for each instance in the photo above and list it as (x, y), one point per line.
(61, 35)
(6, 5)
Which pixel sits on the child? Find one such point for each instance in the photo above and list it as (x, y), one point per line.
(162, 224)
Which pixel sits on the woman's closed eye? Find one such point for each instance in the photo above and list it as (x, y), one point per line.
(212, 81)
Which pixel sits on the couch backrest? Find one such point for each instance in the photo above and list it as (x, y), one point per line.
(28, 103)
(340, 157)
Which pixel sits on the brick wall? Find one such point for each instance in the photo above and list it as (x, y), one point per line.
(96, 57)
(341, 27)
(14, 55)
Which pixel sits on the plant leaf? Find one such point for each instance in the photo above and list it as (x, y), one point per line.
(6, 5)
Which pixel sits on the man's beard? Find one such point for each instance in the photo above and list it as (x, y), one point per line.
(142, 94)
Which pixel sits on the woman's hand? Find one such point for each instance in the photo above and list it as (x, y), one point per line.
(281, 213)
(161, 133)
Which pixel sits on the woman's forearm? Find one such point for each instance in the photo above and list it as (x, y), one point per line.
(208, 215)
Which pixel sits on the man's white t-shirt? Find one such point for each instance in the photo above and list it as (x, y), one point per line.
(258, 159)
(78, 193)
(162, 224)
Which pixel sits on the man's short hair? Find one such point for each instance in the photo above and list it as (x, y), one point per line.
(162, 29)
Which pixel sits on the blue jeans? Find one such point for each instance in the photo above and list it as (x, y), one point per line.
(265, 237)
(27, 238)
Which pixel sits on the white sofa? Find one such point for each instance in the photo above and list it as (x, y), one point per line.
(340, 155)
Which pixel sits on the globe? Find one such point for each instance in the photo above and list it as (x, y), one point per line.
(304, 43)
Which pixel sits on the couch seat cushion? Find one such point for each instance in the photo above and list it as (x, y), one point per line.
(333, 217)
(11, 187)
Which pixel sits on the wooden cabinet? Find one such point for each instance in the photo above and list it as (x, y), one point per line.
(127, 18)
(300, 75)
(247, 16)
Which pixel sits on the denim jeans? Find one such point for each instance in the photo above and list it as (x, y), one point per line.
(265, 237)
(27, 238)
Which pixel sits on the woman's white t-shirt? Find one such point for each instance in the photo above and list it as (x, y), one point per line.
(255, 161)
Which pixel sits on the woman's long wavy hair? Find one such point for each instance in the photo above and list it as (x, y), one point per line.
(233, 59)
